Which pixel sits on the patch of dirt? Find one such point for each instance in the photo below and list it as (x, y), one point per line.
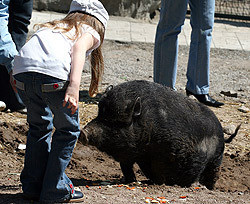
(99, 176)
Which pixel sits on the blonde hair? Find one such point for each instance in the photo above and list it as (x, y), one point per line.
(76, 20)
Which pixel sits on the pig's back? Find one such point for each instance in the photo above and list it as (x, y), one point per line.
(169, 112)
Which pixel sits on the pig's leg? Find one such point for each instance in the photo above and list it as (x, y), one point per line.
(209, 177)
(152, 171)
(210, 174)
(146, 168)
(128, 172)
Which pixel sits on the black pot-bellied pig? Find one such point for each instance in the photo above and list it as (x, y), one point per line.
(172, 138)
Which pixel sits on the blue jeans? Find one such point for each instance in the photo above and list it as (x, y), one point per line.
(172, 18)
(47, 156)
(19, 12)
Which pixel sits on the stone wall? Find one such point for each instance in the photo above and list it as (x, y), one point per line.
(52, 5)
(130, 8)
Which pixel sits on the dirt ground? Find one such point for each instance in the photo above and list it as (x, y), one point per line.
(99, 176)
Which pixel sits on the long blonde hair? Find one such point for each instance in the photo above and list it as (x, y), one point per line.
(76, 20)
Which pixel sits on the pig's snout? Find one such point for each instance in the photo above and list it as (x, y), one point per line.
(84, 137)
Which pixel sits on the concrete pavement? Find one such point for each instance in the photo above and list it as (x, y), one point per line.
(235, 36)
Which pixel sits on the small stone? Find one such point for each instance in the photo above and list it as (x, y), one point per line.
(243, 109)
(22, 146)
(229, 130)
(2, 105)
(229, 93)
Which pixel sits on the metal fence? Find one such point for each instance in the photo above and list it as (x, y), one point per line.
(234, 9)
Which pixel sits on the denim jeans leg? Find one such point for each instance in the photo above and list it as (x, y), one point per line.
(57, 186)
(47, 156)
(172, 18)
(19, 19)
(20, 12)
(37, 151)
(39, 118)
(202, 20)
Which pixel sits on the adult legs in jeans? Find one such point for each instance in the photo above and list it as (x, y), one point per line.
(172, 18)
(19, 19)
(166, 45)
(47, 156)
(202, 21)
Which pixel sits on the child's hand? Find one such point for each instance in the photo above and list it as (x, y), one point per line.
(72, 97)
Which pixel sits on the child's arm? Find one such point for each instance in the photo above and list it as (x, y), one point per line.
(82, 45)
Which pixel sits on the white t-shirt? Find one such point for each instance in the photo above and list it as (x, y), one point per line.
(49, 52)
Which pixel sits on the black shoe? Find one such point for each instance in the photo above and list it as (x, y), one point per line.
(205, 99)
(77, 197)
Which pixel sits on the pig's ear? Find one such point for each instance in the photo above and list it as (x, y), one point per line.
(110, 87)
(137, 107)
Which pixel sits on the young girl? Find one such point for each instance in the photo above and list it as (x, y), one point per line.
(47, 74)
